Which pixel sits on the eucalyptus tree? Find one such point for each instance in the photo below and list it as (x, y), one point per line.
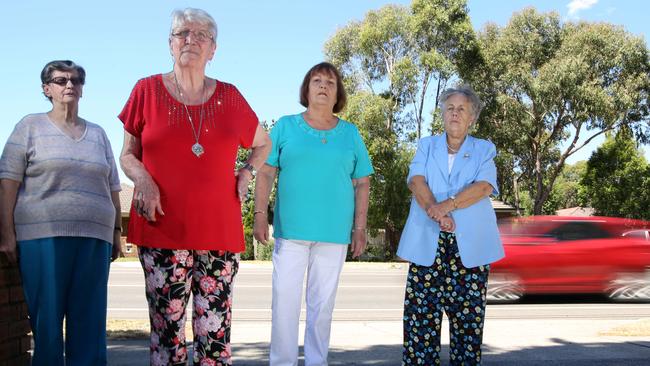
(551, 88)
(395, 63)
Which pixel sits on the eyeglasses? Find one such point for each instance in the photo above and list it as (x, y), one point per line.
(200, 36)
(63, 81)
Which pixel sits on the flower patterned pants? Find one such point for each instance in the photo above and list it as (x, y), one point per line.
(170, 276)
(445, 286)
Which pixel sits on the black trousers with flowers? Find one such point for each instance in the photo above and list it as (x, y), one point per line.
(170, 276)
(446, 286)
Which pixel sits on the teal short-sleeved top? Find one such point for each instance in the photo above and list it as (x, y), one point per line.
(315, 196)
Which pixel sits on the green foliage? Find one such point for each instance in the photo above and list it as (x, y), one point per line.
(567, 188)
(247, 220)
(265, 252)
(248, 206)
(395, 63)
(550, 88)
(617, 179)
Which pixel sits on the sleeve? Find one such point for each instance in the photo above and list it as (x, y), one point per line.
(419, 162)
(132, 114)
(113, 175)
(487, 170)
(276, 135)
(246, 119)
(14, 156)
(363, 166)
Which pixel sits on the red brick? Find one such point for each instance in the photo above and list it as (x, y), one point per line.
(9, 349)
(24, 311)
(4, 262)
(13, 275)
(4, 295)
(11, 313)
(16, 294)
(22, 360)
(4, 332)
(6, 313)
(25, 343)
(19, 328)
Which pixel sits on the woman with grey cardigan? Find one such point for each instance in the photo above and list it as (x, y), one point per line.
(60, 211)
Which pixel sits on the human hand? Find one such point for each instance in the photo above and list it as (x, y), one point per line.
(116, 251)
(244, 177)
(359, 242)
(8, 247)
(436, 211)
(447, 224)
(261, 228)
(146, 199)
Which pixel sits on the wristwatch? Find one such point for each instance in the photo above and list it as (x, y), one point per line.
(453, 201)
(250, 168)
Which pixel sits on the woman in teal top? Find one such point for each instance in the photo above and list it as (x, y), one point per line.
(321, 206)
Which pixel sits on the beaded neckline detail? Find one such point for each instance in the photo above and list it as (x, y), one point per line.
(322, 135)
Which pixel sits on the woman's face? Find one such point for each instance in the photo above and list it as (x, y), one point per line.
(322, 90)
(192, 44)
(63, 87)
(458, 115)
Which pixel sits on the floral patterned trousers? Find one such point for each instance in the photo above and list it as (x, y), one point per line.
(170, 276)
(446, 286)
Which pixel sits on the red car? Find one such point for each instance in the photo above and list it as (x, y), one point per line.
(573, 255)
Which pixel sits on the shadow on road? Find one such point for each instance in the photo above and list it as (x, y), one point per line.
(563, 353)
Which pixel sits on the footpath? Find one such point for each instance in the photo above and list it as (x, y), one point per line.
(507, 343)
(535, 341)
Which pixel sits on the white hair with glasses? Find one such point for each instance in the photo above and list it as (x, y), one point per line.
(192, 15)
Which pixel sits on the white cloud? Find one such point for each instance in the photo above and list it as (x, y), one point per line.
(577, 5)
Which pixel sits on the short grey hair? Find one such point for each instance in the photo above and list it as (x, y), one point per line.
(64, 66)
(466, 91)
(193, 15)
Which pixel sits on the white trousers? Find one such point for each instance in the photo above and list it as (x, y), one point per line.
(323, 262)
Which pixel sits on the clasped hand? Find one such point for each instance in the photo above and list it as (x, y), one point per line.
(439, 214)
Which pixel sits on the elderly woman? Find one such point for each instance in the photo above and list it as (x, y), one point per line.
(321, 206)
(60, 204)
(450, 237)
(182, 133)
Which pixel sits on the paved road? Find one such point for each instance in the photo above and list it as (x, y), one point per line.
(368, 292)
(367, 327)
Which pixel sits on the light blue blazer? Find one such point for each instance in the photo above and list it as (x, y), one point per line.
(477, 233)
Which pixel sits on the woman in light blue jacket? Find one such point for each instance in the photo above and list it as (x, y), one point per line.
(450, 237)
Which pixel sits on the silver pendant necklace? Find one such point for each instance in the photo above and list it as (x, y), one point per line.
(197, 148)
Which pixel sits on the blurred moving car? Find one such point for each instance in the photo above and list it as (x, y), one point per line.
(573, 255)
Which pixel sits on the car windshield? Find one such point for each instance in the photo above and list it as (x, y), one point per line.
(560, 230)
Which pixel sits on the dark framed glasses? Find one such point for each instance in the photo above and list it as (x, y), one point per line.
(63, 81)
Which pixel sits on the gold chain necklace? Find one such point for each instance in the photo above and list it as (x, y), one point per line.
(197, 148)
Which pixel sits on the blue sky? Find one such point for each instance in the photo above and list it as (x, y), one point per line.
(264, 47)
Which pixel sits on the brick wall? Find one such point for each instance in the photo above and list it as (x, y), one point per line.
(15, 340)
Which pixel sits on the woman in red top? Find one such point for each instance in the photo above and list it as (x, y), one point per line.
(182, 132)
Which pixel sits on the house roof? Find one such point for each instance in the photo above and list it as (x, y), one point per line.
(575, 211)
(126, 196)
